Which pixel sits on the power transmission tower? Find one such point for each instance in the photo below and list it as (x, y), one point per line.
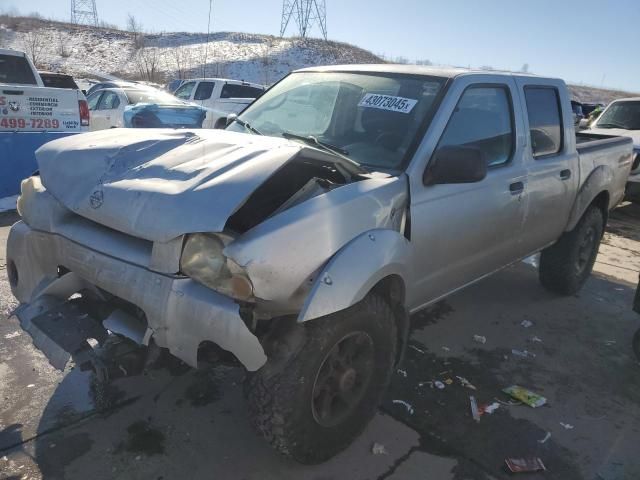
(84, 12)
(306, 13)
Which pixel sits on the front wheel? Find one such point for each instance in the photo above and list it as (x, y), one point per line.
(314, 404)
(566, 265)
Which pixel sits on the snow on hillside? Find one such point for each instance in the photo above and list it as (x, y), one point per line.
(103, 52)
(84, 51)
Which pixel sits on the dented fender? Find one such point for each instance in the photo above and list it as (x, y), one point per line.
(355, 270)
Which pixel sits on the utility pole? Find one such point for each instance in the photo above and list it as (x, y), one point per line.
(306, 13)
(84, 12)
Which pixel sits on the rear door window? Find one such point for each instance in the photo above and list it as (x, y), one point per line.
(109, 101)
(545, 121)
(483, 119)
(184, 92)
(16, 69)
(231, 90)
(93, 100)
(204, 90)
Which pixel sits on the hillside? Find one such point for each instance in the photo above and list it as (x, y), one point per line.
(105, 52)
(84, 51)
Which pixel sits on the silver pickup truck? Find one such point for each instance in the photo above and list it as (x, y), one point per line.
(302, 237)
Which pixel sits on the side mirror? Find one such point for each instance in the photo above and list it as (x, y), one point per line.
(231, 118)
(454, 164)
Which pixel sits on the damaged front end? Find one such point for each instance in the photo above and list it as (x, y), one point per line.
(182, 238)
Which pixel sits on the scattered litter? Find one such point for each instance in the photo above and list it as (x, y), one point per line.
(465, 383)
(53, 445)
(526, 323)
(123, 370)
(139, 457)
(448, 381)
(422, 384)
(535, 339)
(489, 408)
(475, 413)
(567, 426)
(525, 396)
(439, 385)
(618, 289)
(546, 437)
(523, 353)
(12, 335)
(446, 349)
(31, 385)
(419, 350)
(480, 339)
(405, 405)
(378, 449)
(402, 372)
(509, 403)
(608, 343)
(445, 372)
(530, 464)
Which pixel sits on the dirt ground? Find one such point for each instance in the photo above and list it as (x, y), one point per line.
(174, 422)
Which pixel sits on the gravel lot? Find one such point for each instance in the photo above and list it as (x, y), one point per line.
(174, 422)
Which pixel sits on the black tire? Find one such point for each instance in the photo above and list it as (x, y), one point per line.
(566, 265)
(281, 397)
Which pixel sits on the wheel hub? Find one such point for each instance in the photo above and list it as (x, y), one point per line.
(342, 379)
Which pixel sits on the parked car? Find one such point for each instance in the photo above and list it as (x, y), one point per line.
(578, 115)
(31, 114)
(301, 237)
(220, 95)
(142, 107)
(112, 84)
(622, 117)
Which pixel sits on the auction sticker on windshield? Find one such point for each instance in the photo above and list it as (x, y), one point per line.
(388, 102)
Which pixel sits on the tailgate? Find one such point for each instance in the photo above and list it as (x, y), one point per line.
(36, 109)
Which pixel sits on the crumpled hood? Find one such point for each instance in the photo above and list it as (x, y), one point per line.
(159, 184)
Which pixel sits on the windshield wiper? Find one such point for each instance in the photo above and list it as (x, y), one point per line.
(246, 125)
(339, 152)
(611, 125)
(314, 141)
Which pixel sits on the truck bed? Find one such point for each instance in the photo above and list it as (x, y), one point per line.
(589, 142)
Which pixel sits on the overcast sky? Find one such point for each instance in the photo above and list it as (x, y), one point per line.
(582, 41)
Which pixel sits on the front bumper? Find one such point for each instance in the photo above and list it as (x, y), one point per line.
(180, 313)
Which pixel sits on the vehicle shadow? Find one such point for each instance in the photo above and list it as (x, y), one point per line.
(625, 221)
(8, 218)
(173, 421)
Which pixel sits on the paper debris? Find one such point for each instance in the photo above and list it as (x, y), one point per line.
(546, 437)
(490, 408)
(567, 426)
(480, 339)
(475, 413)
(523, 353)
(378, 449)
(419, 350)
(402, 372)
(405, 405)
(526, 323)
(465, 383)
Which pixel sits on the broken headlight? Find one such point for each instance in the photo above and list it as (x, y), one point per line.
(202, 260)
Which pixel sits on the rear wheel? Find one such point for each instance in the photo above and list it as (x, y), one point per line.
(566, 265)
(312, 405)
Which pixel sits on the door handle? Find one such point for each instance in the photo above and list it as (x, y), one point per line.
(565, 174)
(516, 188)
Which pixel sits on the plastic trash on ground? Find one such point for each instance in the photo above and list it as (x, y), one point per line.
(522, 465)
(480, 339)
(378, 449)
(525, 396)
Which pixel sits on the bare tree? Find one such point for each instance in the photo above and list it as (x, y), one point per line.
(135, 27)
(33, 43)
(62, 49)
(148, 63)
(182, 61)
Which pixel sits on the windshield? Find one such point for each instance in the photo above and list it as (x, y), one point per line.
(151, 96)
(372, 118)
(625, 115)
